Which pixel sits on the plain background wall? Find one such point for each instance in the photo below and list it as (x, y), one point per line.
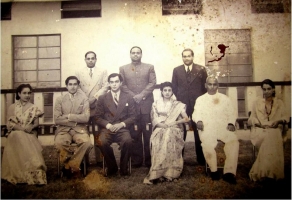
(139, 22)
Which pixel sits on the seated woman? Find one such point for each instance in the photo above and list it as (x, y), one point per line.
(22, 158)
(166, 141)
(267, 117)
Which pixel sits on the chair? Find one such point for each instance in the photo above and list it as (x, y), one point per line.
(84, 162)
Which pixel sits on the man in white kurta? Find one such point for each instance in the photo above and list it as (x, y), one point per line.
(215, 118)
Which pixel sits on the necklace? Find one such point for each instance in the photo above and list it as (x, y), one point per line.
(269, 113)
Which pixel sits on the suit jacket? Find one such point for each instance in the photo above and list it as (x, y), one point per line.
(108, 112)
(95, 86)
(139, 80)
(189, 92)
(78, 110)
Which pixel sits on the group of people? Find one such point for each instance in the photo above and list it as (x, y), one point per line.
(150, 133)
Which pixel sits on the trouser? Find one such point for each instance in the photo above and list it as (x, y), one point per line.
(198, 147)
(71, 156)
(209, 138)
(123, 138)
(139, 147)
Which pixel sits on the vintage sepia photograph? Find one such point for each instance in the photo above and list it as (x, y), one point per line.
(146, 99)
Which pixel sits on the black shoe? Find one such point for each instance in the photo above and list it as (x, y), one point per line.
(111, 173)
(230, 178)
(66, 173)
(136, 165)
(215, 176)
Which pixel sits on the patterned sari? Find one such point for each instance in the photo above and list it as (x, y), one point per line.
(166, 143)
(22, 158)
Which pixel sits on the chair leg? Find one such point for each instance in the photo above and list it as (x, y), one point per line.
(104, 169)
(84, 166)
(58, 163)
(130, 166)
(253, 153)
(206, 167)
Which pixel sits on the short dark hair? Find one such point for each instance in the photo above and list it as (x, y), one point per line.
(114, 75)
(20, 88)
(71, 78)
(165, 84)
(187, 50)
(270, 83)
(89, 53)
(135, 47)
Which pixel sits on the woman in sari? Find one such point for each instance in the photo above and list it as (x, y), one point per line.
(166, 142)
(267, 119)
(22, 158)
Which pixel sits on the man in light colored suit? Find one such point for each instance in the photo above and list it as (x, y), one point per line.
(115, 114)
(93, 84)
(188, 82)
(71, 114)
(139, 82)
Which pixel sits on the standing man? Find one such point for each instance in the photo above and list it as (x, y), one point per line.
(215, 118)
(71, 114)
(188, 84)
(115, 113)
(93, 84)
(139, 82)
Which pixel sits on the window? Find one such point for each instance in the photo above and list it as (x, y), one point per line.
(6, 11)
(81, 9)
(37, 61)
(181, 7)
(271, 6)
(228, 56)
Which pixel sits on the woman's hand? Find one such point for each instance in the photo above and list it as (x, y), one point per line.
(162, 125)
(276, 124)
(172, 123)
(262, 126)
(28, 128)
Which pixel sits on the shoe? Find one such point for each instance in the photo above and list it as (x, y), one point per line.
(230, 178)
(66, 173)
(77, 174)
(136, 165)
(111, 173)
(215, 176)
(125, 176)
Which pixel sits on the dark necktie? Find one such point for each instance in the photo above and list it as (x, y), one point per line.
(90, 73)
(116, 99)
(188, 75)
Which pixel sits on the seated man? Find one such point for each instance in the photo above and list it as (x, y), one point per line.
(71, 114)
(115, 113)
(215, 120)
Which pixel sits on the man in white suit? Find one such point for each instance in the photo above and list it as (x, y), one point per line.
(93, 82)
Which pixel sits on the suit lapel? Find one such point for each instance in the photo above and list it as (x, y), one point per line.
(194, 73)
(182, 73)
(121, 104)
(95, 78)
(111, 104)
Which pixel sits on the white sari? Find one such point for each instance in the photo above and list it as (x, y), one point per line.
(166, 143)
(22, 158)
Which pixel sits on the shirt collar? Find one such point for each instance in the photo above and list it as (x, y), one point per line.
(88, 69)
(186, 67)
(118, 93)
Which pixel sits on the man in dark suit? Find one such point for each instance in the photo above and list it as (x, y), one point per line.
(115, 114)
(139, 82)
(188, 84)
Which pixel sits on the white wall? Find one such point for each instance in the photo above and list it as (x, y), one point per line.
(126, 23)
